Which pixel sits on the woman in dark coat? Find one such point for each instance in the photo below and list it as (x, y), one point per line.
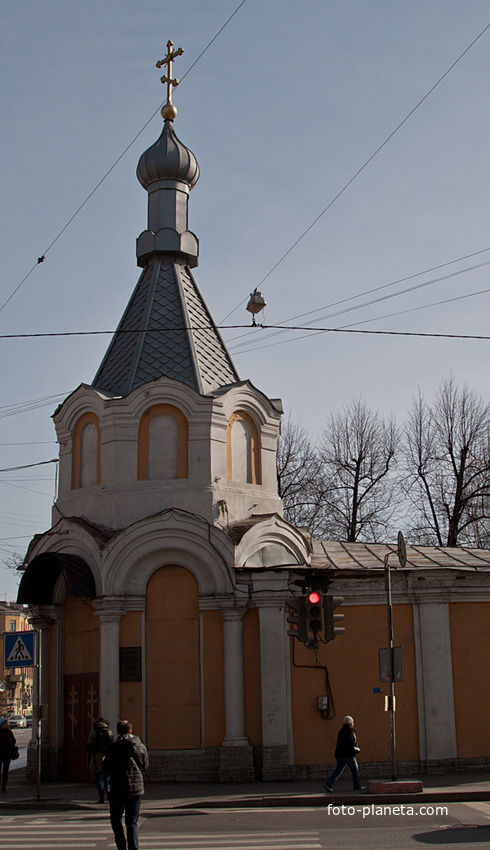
(7, 742)
(345, 755)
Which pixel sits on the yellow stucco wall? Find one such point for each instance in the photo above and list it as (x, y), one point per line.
(251, 664)
(81, 633)
(172, 660)
(352, 662)
(214, 678)
(470, 647)
(130, 695)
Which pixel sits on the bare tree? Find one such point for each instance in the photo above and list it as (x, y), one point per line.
(13, 562)
(358, 449)
(300, 481)
(447, 457)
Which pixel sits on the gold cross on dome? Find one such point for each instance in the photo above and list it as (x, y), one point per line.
(169, 58)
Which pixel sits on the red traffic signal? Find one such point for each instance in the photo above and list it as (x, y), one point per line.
(314, 612)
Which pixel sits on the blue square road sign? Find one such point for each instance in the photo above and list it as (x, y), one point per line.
(19, 649)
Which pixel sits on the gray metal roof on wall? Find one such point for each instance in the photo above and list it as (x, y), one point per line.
(368, 556)
(166, 330)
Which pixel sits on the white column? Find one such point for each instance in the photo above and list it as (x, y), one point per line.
(435, 696)
(234, 687)
(110, 616)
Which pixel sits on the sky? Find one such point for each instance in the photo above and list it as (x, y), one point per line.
(284, 108)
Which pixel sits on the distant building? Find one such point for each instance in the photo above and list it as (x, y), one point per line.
(16, 697)
(162, 587)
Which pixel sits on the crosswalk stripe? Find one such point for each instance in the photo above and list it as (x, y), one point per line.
(263, 836)
(195, 845)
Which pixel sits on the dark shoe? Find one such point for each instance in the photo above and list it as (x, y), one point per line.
(4, 790)
(327, 788)
(360, 788)
(101, 800)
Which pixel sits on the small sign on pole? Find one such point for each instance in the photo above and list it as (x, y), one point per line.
(391, 664)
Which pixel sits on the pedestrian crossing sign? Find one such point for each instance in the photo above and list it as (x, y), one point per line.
(19, 649)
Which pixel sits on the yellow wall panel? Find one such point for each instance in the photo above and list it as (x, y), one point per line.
(130, 693)
(470, 647)
(81, 637)
(352, 663)
(251, 663)
(214, 678)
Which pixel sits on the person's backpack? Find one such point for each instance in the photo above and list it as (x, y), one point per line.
(102, 741)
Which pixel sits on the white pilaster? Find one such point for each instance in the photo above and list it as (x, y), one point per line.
(234, 687)
(435, 696)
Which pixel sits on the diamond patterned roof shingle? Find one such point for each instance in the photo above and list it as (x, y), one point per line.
(166, 330)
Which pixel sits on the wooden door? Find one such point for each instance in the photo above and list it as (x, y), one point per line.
(81, 709)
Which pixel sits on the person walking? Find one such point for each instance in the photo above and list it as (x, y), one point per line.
(125, 763)
(7, 744)
(345, 755)
(98, 743)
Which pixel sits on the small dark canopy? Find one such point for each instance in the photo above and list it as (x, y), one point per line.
(38, 582)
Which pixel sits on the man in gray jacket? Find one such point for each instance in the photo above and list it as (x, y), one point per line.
(125, 762)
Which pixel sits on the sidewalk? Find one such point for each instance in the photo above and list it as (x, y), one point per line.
(63, 796)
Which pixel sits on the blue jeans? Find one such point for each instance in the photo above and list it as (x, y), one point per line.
(130, 807)
(102, 784)
(351, 763)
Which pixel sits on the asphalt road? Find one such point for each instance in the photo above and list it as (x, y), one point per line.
(457, 825)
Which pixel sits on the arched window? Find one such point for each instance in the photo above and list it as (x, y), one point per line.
(242, 449)
(163, 439)
(86, 469)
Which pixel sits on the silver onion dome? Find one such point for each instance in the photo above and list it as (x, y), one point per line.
(168, 159)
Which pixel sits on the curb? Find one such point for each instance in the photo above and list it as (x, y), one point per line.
(321, 800)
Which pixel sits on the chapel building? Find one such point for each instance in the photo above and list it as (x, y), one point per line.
(161, 588)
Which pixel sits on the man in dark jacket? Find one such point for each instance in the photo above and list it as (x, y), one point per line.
(345, 755)
(125, 762)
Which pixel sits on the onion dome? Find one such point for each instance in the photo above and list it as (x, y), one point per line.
(168, 159)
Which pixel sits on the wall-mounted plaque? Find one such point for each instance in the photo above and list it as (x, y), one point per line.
(130, 663)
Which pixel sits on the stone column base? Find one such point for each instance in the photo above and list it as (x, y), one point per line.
(275, 763)
(236, 764)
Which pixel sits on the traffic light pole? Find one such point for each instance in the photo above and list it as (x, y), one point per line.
(389, 607)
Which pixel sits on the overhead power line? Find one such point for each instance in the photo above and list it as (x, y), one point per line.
(113, 166)
(29, 465)
(383, 286)
(365, 164)
(375, 301)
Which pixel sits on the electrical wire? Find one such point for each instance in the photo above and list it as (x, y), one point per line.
(29, 465)
(381, 287)
(113, 166)
(385, 298)
(26, 406)
(353, 325)
(361, 169)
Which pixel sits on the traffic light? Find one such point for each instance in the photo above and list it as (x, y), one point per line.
(298, 619)
(314, 616)
(330, 603)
